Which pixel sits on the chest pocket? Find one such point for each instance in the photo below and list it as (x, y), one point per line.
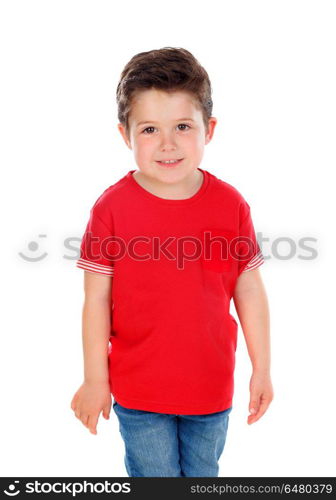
(217, 249)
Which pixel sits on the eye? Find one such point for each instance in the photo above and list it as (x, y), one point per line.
(183, 125)
(144, 131)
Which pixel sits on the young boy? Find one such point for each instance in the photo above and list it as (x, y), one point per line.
(164, 251)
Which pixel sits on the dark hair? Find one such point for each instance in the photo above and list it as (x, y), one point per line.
(169, 69)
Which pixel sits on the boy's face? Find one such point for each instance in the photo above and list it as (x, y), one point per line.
(174, 129)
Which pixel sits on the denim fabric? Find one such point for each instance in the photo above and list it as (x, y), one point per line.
(167, 445)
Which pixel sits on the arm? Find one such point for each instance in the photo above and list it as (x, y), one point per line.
(94, 394)
(96, 323)
(251, 304)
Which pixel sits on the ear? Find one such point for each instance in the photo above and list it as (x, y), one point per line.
(122, 131)
(211, 128)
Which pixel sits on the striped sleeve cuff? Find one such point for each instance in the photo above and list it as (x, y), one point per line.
(255, 262)
(94, 268)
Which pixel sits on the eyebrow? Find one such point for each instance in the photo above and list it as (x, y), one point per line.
(153, 121)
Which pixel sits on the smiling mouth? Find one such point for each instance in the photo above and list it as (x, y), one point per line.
(170, 163)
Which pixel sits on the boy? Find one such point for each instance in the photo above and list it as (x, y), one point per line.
(164, 251)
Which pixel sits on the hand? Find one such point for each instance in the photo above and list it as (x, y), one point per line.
(90, 399)
(261, 395)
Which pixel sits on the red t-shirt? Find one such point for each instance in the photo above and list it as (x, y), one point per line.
(173, 339)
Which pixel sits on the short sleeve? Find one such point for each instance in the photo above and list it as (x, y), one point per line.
(96, 245)
(249, 252)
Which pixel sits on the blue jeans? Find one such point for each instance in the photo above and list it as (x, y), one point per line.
(169, 445)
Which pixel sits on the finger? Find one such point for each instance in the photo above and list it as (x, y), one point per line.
(106, 412)
(260, 412)
(254, 405)
(92, 423)
(84, 418)
(263, 407)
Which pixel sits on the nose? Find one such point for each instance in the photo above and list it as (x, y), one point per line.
(167, 142)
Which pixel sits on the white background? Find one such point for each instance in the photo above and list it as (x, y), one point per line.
(272, 68)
